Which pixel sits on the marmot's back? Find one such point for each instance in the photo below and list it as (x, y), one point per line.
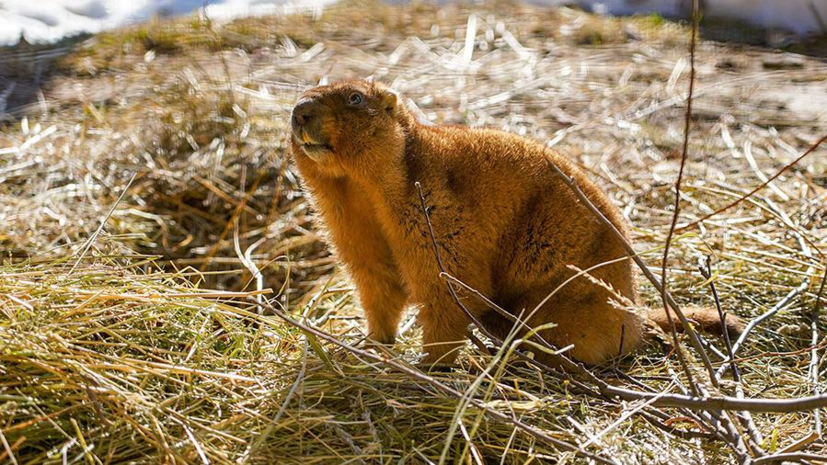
(512, 173)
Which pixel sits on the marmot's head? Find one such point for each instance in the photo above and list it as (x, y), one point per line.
(347, 125)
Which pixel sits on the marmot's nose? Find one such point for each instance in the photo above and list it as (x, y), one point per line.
(303, 112)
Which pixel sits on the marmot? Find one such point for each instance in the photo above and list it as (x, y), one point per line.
(503, 222)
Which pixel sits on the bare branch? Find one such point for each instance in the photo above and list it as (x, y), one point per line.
(789, 457)
(684, 152)
(756, 189)
(756, 321)
(744, 417)
(814, 354)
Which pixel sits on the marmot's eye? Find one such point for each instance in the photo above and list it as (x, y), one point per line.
(355, 98)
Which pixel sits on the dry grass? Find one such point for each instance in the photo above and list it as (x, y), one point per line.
(123, 356)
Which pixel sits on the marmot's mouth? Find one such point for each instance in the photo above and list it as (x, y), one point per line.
(316, 151)
(312, 148)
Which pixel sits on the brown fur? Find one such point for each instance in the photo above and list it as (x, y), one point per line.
(504, 223)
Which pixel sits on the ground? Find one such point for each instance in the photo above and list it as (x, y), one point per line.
(137, 341)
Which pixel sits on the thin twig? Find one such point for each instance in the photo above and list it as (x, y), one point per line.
(790, 457)
(756, 321)
(814, 354)
(707, 274)
(744, 417)
(684, 152)
(756, 189)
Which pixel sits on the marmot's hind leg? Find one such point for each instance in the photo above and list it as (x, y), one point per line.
(598, 330)
(443, 334)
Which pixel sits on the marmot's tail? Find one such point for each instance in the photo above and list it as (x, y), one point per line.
(705, 319)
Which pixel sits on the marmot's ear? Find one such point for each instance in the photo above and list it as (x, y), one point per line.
(389, 101)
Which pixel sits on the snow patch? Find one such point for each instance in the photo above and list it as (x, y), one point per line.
(52, 20)
(797, 16)
(43, 21)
